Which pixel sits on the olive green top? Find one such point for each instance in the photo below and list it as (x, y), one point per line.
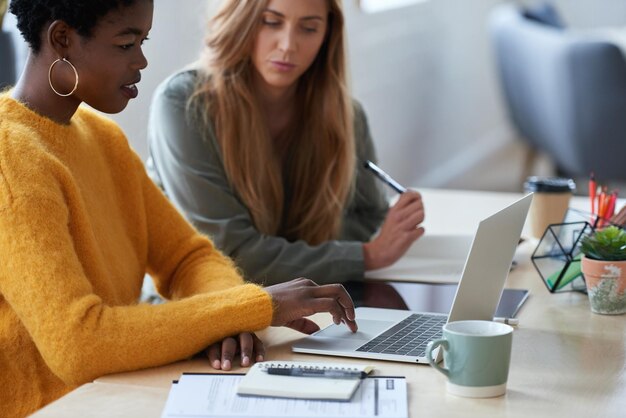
(186, 161)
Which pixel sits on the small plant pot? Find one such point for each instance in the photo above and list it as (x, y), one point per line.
(606, 285)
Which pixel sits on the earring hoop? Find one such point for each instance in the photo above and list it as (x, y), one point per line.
(50, 77)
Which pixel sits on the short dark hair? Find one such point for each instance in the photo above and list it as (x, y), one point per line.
(82, 15)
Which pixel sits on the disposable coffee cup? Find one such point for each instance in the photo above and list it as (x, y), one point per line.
(550, 201)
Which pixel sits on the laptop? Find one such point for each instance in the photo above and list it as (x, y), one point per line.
(397, 335)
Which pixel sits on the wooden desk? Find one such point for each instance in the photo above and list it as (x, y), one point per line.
(566, 361)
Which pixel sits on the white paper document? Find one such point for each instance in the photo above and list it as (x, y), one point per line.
(215, 396)
(431, 259)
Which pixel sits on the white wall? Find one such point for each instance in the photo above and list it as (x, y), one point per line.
(425, 77)
(175, 40)
(424, 74)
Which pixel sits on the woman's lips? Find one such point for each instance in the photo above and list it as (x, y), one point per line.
(130, 90)
(283, 66)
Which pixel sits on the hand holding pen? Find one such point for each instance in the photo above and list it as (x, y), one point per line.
(401, 227)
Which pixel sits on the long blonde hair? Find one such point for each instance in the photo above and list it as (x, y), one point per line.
(301, 194)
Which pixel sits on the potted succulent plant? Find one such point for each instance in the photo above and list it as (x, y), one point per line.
(7, 51)
(604, 268)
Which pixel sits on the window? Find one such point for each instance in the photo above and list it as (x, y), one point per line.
(373, 6)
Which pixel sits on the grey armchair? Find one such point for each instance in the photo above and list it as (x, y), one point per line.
(565, 92)
(7, 52)
(7, 60)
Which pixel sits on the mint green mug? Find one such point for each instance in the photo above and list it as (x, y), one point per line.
(476, 355)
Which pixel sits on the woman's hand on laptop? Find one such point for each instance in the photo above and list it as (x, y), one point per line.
(299, 298)
(400, 229)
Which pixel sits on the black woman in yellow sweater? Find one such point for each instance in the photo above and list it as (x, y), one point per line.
(81, 224)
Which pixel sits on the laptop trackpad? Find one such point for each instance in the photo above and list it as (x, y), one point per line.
(340, 338)
(368, 329)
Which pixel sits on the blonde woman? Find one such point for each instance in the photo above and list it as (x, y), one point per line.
(261, 146)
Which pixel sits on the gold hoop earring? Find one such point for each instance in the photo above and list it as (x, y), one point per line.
(50, 77)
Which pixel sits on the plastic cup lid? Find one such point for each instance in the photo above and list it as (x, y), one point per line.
(549, 184)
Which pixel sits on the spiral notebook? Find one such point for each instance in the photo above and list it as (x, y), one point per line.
(257, 382)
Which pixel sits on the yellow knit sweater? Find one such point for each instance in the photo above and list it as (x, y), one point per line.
(80, 225)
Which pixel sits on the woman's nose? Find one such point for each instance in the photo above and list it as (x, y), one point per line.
(140, 61)
(287, 41)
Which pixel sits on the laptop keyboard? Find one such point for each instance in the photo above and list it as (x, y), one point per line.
(408, 337)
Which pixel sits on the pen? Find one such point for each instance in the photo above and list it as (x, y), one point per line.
(508, 321)
(326, 373)
(610, 209)
(602, 204)
(592, 193)
(384, 176)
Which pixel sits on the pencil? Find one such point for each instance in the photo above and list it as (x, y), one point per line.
(610, 209)
(620, 217)
(602, 206)
(592, 193)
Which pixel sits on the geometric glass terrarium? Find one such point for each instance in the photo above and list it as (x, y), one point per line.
(557, 256)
